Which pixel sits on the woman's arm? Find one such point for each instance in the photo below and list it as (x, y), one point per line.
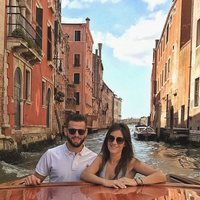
(89, 175)
(151, 175)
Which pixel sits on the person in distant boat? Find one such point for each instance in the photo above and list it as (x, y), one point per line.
(65, 162)
(116, 165)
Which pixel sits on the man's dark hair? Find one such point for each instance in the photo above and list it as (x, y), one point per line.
(76, 118)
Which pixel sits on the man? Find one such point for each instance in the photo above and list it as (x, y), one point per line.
(65, 162)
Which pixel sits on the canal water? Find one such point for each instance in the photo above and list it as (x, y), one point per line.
(177, 159)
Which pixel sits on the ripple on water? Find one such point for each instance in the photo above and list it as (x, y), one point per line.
(168, 159)
(10, 172)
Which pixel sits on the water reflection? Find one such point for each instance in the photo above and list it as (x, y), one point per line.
(93, 192)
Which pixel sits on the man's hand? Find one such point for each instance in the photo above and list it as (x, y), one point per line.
(34, 179)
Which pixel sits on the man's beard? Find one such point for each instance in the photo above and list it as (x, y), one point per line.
(75, 144)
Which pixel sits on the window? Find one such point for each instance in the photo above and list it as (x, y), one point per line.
(77, 35)
(56, 31)
(163, 42)
(77, 97)
(196, 92)
(76, 78)
(168, 65)
(198, 33)
(167, 34)
(165, 71)
(77, 60)
(161, 48)
(160, 80)
(49, 44)
(39, 19)
(182, 114)
(28, 85)
(43, 92)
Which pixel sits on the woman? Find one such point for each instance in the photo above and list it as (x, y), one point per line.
(116, 165)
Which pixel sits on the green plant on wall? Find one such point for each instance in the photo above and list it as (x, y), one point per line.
(19, 33)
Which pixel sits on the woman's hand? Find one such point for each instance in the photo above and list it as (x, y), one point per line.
(114, 183)
(128, 181)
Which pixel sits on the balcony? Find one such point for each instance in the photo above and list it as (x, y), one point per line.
(70, 102)
(22, 37)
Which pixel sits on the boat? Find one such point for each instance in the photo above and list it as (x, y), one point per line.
(143, 132)
(176, 189)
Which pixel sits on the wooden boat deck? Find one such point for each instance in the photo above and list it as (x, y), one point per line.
(16, 190)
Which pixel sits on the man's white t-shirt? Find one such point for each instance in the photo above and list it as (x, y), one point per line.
(62, 165)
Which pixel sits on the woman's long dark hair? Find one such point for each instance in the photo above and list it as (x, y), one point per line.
(127, 152)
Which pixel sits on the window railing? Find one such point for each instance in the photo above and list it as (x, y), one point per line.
(20, 27)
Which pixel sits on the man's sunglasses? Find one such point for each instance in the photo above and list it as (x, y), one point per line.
(119, 140)
(72, 131)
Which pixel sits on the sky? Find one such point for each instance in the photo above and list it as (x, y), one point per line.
(128, 30)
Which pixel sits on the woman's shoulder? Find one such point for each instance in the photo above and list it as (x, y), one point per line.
(134, 161)
(99, 158)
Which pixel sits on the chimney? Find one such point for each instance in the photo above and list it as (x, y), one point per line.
(156, 43)
(87, 22)
(100, 48)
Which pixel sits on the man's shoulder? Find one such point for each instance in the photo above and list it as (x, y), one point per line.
(56, 149)
(89, 152)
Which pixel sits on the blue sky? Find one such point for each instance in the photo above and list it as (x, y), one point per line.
(127, 29)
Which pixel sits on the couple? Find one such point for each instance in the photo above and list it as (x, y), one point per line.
(115, 166)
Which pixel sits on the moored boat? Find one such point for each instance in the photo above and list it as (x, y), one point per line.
(143, 132)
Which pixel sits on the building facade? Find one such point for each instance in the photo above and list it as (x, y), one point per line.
(171, 70)
(80, 66)
(47, 71)
(97, 80)
(195, 75)
(107, 108)
(117, 108)
(2, 55)
(30, 70)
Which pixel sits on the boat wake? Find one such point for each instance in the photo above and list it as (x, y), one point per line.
(13, 170)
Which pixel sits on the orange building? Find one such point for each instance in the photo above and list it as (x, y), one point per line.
(29, 69)
(80, 66)
(2, 54)
(97, 80)
(195, 75)
(117, 109)
(107, 108)
(171, 71)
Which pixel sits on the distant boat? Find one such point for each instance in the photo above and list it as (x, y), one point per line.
(143, 132)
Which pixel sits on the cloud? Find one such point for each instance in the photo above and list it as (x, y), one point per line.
(153, 3)
(72, 20)
(135, 45)
(79, 4)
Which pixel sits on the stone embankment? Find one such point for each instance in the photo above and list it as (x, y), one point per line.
(11, 148)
